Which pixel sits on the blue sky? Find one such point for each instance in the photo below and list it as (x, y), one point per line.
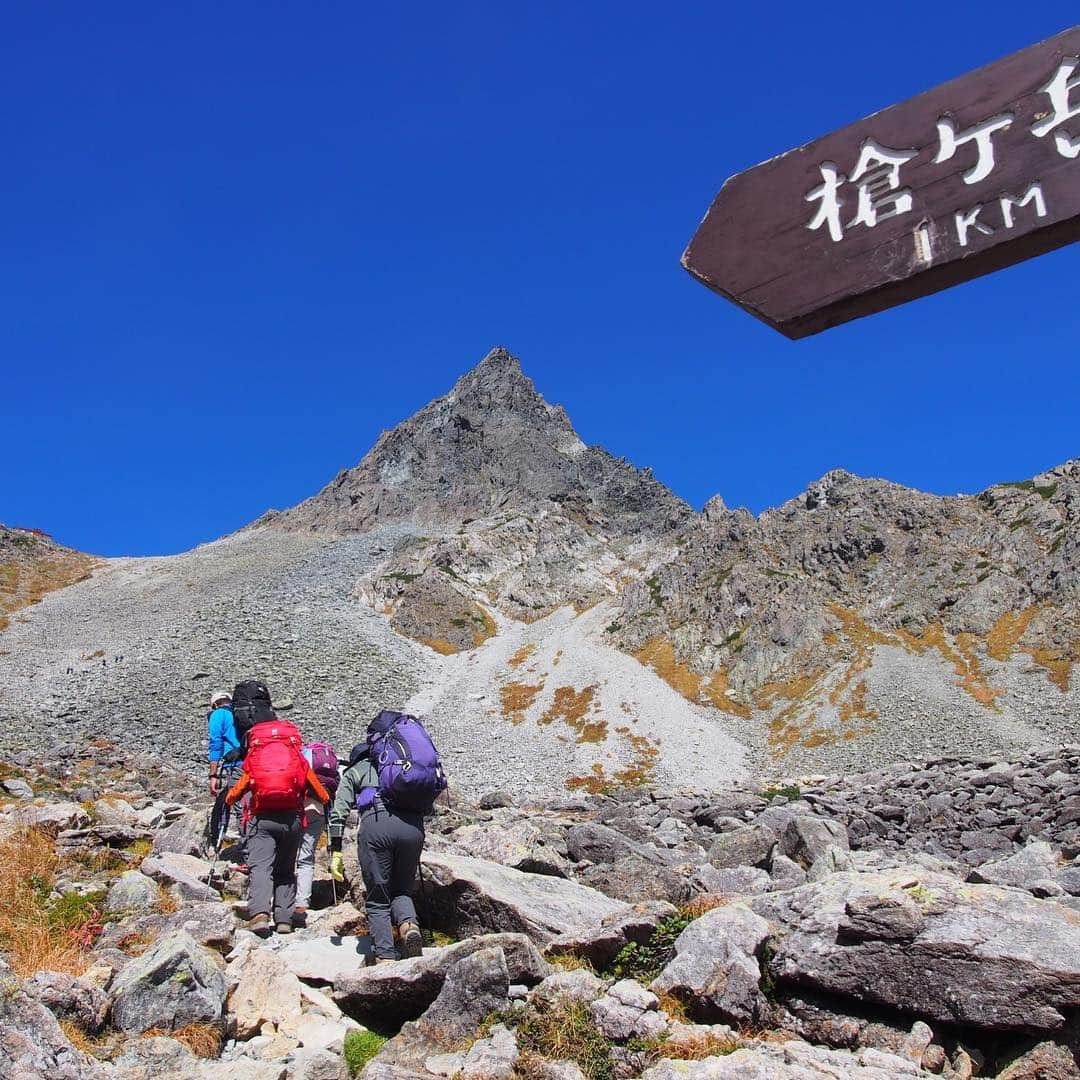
(239, 240)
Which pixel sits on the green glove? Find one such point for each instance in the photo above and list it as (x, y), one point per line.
(337, 866)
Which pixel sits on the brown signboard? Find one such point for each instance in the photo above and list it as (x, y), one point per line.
(972, 176)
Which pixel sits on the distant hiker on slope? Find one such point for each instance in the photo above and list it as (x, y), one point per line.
(393, 779)
(324, 764)
(279, 778)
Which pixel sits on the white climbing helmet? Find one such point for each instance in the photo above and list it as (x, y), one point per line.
(222, 697)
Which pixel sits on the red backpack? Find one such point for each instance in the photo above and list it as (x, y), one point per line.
(277, 769)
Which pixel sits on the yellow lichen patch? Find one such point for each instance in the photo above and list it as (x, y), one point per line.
(961, 653)
(1006, 633)
(659, 654)
(794, 690)
(716, 693)
(856, 708)
(517, 698)
(641, 769)
(487, 628)
(572, 706)
(1057, 666)
(521, 655)
(441, 646)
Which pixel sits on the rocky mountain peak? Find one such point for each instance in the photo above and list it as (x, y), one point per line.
(491, 445)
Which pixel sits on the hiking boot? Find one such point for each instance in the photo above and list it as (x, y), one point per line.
(412, 941)
(258, 924)
(299, 919)
(284, 928)
(384, 960)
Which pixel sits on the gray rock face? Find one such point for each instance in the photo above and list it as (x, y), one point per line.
(1033, 868)
(600, 945)
(493, 1058)
(186, 874)
(918, 941)
(469, 896)
(68, 998)
(521, 845)
(32, 1044)
(185, 836)
(627, 1011)
(476, 986)
(578, 985)
(494, 427)
(748, 846)
(807, 837)
(389, 992)
(715, 969)
(131, 892)
(175, 982)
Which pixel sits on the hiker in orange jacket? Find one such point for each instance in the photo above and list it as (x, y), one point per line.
(280, 780)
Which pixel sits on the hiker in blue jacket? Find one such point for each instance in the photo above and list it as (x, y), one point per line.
(224, 742)
(390, 844)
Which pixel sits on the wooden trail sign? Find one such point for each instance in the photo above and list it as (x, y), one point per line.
(970, 177)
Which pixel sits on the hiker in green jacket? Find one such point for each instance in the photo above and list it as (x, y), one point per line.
(390, 844)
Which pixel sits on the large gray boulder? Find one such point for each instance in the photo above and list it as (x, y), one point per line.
(391, 992)
(185, 836)
(175, 982)
(68, 998)
(923, 942)
(601, 944)
(522, 845)
(476, 986)
(790, 1061)
(461, 896)
(32, 1043)
(715, 969)
(132, 891)
(186, 875)
(807, 837)
(751, 845)
(1034, 868)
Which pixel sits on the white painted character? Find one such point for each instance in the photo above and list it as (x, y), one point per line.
(1060, 91)
(878, 194)
(982, 134)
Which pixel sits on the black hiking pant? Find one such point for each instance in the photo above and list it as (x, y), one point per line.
(390, 847)
(272, 843)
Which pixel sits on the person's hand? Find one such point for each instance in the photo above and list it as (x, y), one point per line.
(215, 785)
(337, 866)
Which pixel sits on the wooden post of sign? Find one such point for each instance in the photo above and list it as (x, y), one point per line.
(970, 177)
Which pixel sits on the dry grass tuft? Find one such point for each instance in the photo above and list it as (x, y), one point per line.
(441, 646)
(674, 1007)
(566, 961)
(203, 1040)
(698, 1046)
(699, 905)
(167, 904)
(30, 932)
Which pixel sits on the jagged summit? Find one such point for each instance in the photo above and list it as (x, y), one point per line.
(492, 444)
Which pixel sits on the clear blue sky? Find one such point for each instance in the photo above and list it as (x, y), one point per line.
(241, 239)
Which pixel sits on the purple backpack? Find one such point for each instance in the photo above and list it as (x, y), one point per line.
(324, 764)
(411, 775)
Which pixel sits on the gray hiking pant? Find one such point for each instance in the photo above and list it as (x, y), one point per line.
(272, 843)
(390, 847)
(305, 863)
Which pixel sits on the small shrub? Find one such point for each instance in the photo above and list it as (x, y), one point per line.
(789, 791)
(360, 1048)
(645, 962)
